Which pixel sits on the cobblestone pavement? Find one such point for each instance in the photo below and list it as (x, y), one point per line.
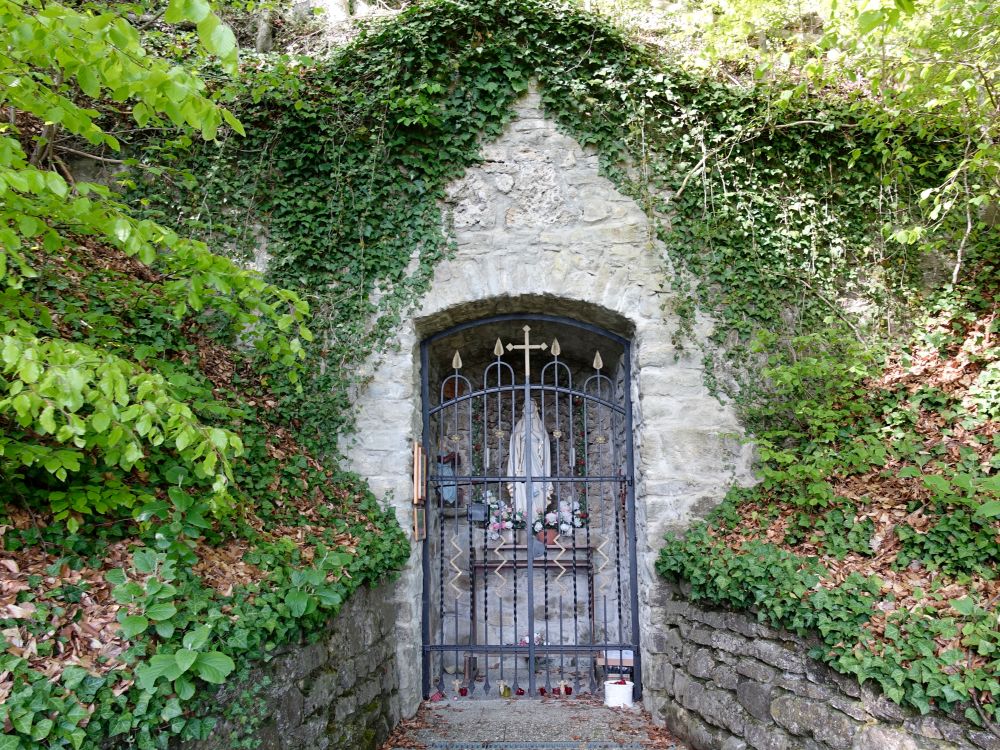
(546, 724)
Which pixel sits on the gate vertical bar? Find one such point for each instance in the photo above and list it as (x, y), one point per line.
(425, 630)
(630, 522)
(528, 551)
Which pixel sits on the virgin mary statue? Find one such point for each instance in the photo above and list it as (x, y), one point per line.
(533, 442)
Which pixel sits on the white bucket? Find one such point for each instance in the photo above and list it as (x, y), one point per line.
(618, 696)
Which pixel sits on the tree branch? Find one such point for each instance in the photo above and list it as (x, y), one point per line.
(85, 155)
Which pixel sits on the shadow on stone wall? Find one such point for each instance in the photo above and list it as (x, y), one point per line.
(340, 693)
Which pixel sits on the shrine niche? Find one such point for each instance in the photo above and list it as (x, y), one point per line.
(530, 557)
(541, 237)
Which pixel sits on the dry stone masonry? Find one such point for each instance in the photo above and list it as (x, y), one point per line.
(722, 681)
(341, 693)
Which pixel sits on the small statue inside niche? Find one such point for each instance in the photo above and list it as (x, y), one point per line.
(529, 442)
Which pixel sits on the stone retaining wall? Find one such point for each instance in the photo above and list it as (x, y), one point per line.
(722, 681)
(340, 693)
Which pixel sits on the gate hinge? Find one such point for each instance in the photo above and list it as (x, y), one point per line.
(419, 492)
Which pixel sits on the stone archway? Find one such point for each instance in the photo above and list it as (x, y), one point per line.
(539, 230)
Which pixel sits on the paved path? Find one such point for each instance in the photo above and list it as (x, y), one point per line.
(546, 724)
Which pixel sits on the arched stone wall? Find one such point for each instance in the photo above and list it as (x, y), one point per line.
(538, 229)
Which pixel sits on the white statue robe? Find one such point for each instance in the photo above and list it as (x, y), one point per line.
(537, 444)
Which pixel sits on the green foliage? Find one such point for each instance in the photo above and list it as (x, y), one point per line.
(111, 425)
(345, 165)
(956, 543)
(929, 66)
(828, 422)
(68, 405)
(835, 533)
(782, 589)
(778, 205)
(187, 638)
(94, 402)
(816, 410)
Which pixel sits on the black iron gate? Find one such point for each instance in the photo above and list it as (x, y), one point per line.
(529, 553)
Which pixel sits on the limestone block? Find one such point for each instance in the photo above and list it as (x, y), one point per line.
(725, 677)
(755, 697)
(658, 674)
(762, 736)
(721, 708)
(780, 655)
(691, 728)
(884, 738)
(802, 716)
(301, 662)
(801, 686)
(939, 728)
(701, 663)
(983, 739)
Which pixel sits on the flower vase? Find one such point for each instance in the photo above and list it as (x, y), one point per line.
(547, 536)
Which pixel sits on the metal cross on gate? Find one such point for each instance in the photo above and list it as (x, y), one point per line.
(527, 346)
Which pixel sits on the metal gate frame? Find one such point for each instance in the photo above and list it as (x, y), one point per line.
(629, 484)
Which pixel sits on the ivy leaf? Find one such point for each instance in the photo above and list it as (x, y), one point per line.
(23, 721)
(297, 601)
(989, 510)
(161, 611)
(213, 666)
(171, 710)
(965, 606)
(133, 625)
(197, 638)
(120, 724)
(937, 484)
(41, 729)
(185, 658)
(72, 676)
